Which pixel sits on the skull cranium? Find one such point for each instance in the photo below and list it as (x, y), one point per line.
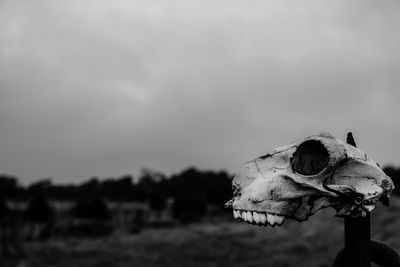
(297, 180)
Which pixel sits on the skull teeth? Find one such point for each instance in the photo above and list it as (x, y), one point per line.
(259, 218)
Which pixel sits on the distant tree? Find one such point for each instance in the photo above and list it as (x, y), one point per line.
(39, 186)
(39, 210)
(215, 187)
(218, 187)
(157, 202)
(153, 185)
(10, 241)
(90, 189)
(138, 194)
(4, 209)
(92, 209)
(40, 217)
(394, 174)
(187, 183)
(94, 218)
(188, 209)
(149, 180)
(62, 192)
(9, 187)
(137, 221)
(119, 189)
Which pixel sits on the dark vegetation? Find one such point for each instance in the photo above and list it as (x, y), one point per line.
(212, 187)
(394, 173)
(91, 208)
(98, 207)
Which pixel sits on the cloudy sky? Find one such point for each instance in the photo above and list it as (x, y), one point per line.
(105, 88)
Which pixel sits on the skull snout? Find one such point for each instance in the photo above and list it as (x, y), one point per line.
(363, 177)
(362, 183)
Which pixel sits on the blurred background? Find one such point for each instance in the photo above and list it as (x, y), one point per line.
(122, 123)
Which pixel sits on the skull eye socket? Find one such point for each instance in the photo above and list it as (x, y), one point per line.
(310, 158)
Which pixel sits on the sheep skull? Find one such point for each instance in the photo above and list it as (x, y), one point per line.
(297, 180)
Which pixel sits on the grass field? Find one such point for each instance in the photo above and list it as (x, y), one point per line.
(311, 243)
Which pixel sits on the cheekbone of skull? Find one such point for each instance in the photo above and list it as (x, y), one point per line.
(297, 180)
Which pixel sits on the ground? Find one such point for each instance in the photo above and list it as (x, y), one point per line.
(211, 244)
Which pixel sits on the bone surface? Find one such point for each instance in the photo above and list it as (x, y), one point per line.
(297, 180)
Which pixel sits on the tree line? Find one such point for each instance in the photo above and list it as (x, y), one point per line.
(211, 187)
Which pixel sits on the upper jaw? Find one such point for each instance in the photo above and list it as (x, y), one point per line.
(270, 212)
(258, 218)
(308, 206)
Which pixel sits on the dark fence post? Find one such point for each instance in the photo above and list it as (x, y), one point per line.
(357, 235)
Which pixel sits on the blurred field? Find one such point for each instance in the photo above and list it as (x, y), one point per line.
(220, 243)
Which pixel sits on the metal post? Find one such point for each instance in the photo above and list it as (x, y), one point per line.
(357, 241)
(357, 234)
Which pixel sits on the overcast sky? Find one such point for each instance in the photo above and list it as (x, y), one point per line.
(104, 88)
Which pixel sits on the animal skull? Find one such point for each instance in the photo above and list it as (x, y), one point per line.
(297, 180)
